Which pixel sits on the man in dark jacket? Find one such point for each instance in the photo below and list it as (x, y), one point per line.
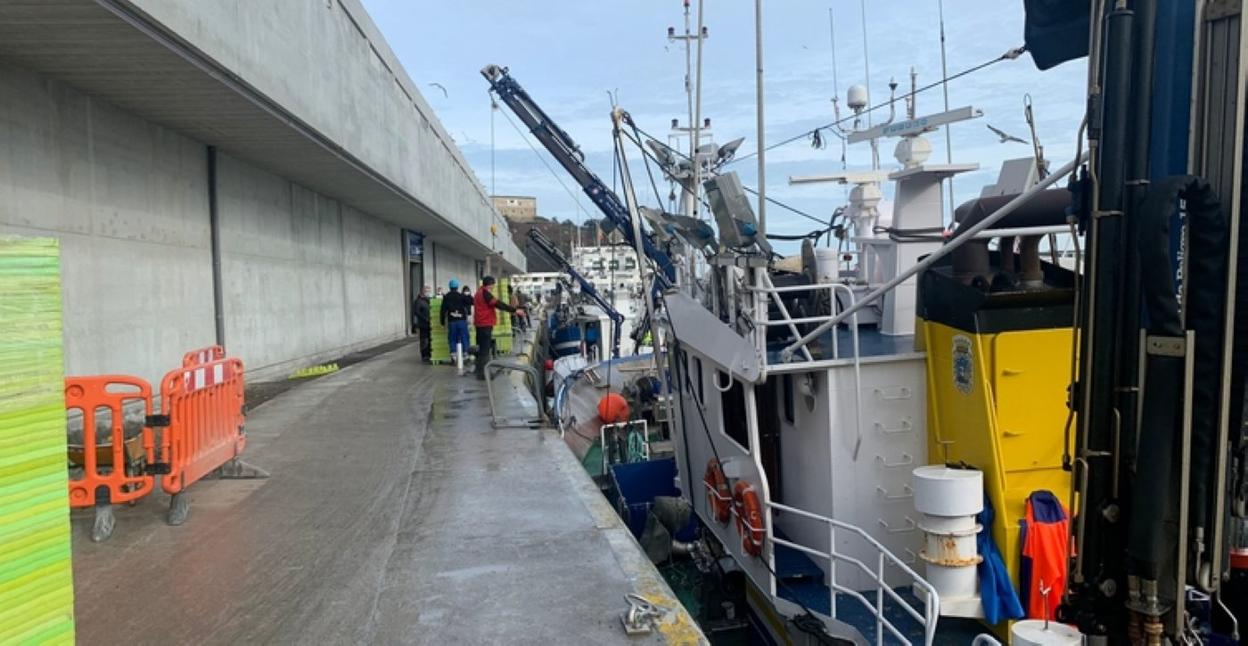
(420, 317)
(455, 310)
(483, 318)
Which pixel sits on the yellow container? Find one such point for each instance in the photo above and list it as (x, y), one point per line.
(998, 402)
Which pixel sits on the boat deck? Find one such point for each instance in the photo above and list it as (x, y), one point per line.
(872, 345)
(395, 514)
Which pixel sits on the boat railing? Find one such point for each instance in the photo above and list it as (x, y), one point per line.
(768, 291)
(880, 591)
(971, 233)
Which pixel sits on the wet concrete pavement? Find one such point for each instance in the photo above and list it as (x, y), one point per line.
(394, 514)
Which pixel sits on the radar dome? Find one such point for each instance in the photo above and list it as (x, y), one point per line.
(857, 97)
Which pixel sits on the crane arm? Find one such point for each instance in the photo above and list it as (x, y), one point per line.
(587, 288)
(569, 155)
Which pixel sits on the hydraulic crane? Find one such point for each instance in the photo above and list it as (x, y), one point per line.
(1158, 397)
(587, 288)
(569, 155)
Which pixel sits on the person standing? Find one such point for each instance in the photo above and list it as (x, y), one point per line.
(421, 317)
(522, 303)
(455, 310)
(467, 293)
(484, 316)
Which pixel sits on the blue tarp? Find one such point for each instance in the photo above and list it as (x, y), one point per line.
(995, 588)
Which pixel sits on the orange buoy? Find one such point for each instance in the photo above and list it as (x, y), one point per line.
(717, 498)
(749, 518)
(613, 409)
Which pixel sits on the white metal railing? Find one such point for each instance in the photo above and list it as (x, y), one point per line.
(884, 559)
(762, 322)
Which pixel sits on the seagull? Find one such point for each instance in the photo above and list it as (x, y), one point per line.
(1006, 138)
(440, 87)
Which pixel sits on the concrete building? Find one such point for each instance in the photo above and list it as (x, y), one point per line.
(517, 208)
(262, 174)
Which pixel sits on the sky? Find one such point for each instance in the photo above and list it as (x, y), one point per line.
(573, 56)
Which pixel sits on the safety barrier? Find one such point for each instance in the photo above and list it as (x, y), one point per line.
(203, 407)
(117, 467)
(198, 432)
(203, 355)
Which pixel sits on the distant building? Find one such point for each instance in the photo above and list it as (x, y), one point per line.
(516, 208)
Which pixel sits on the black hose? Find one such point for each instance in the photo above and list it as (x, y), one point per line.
(1154, 516)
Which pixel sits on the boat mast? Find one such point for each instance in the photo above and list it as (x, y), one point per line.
(762, 147)
(944, 85)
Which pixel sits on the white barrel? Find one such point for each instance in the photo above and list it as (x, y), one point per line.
(941, 491)
(947, 501)
(1032, 632)
(827, 264)
(952, 582)
(951, 548)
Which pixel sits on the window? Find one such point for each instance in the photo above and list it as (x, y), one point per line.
(697, 367)
(732, 408)
(790, 414)
(615, 264)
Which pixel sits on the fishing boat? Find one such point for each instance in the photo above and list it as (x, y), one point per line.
(903, 437)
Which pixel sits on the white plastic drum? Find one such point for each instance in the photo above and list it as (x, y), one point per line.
(952, 582)
(941, 491)
(827, 264)
(1032, 632)
(947, 501)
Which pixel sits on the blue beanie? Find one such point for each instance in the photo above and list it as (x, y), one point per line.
(454, 283)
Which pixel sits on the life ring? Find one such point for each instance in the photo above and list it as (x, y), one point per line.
(717, 498)
(749, 518)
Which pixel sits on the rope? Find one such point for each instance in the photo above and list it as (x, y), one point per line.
(545, 163)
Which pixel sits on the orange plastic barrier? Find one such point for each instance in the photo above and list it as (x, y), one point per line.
(203, 405)
(199, 430)
(203, 355)
(115, 468)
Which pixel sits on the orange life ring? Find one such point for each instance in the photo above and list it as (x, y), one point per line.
(717, 497)
(749, 518)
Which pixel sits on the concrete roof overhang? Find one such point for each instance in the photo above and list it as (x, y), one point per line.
(110, 50)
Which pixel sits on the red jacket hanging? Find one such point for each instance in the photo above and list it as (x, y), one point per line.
(1046, 554)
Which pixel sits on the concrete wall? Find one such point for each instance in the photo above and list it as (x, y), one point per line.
(304, 277)
(447, 264)
(317, 59)
(128, 201)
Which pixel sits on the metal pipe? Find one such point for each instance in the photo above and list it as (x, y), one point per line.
(762, 144)
(1224, 413)
(214, 235)
(695, 134)
(1021, 232)
(1008, 208)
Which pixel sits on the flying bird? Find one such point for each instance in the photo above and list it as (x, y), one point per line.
(440, 87)
(1006, 138)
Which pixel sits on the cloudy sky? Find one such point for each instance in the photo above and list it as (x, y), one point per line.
(569, 55)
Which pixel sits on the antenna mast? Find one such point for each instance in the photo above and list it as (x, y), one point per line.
(944, 84)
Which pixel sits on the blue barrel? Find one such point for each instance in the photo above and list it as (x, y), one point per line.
(565, 340)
